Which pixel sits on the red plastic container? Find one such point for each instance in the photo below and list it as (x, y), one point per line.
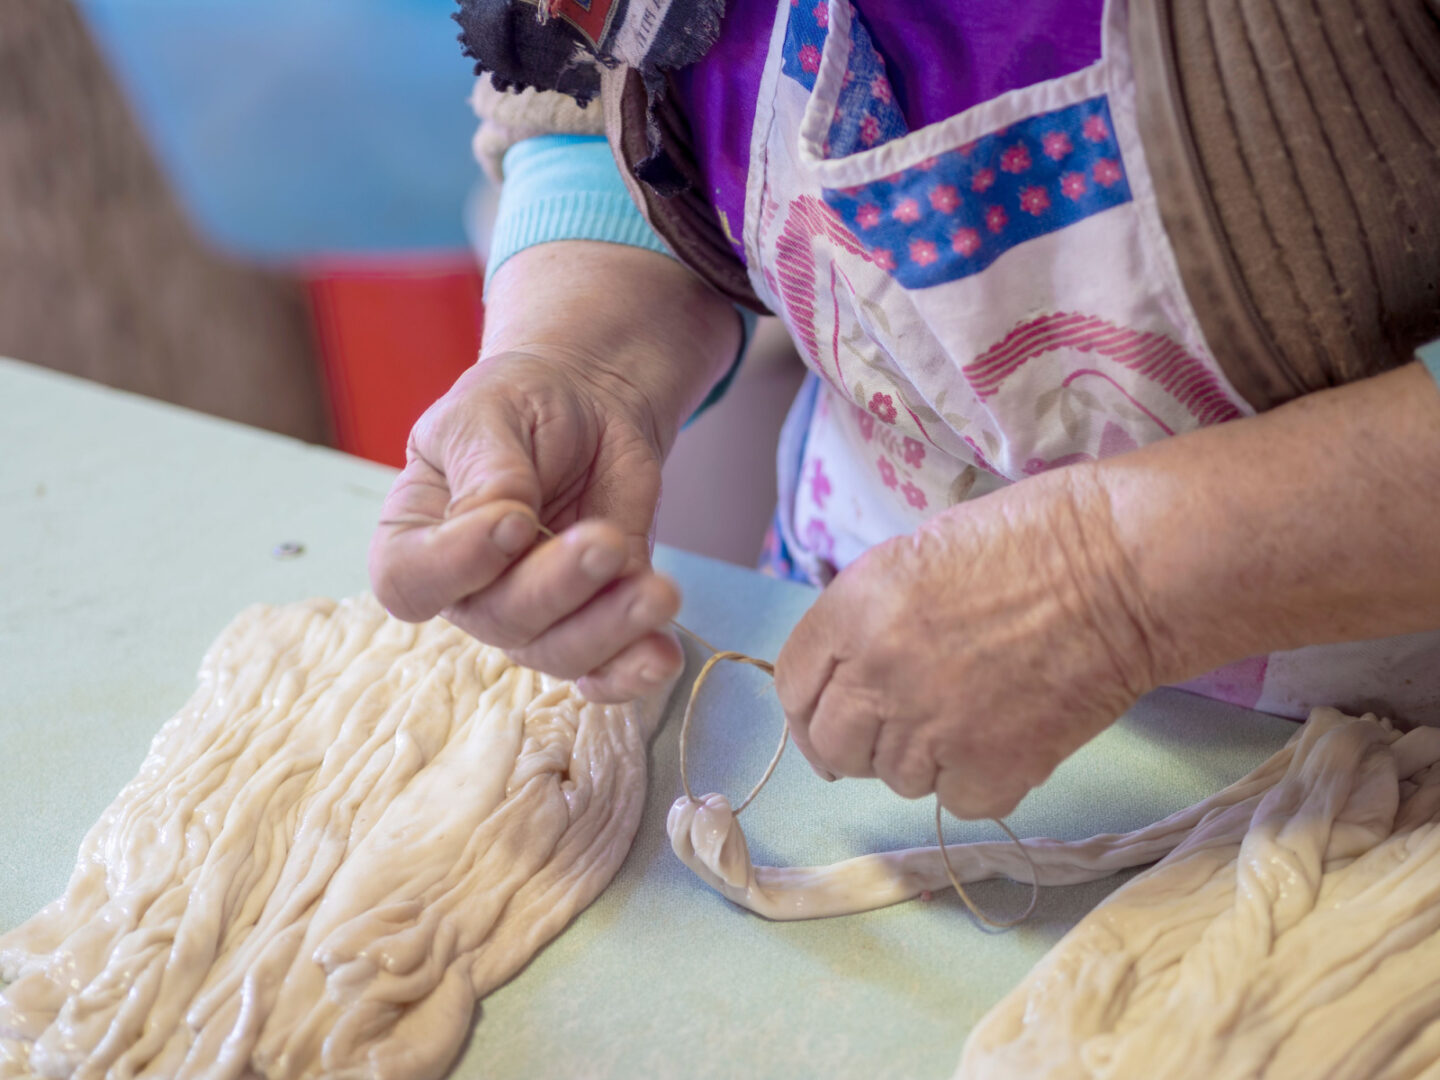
(393, 334)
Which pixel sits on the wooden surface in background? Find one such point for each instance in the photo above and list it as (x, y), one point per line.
(100, 273)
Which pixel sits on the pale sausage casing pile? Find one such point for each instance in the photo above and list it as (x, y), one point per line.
(357, 828)
(1292, 931)
(1292, 935)
(354, 830)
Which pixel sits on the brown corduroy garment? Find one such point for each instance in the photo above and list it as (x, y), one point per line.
(1295, 146)
(1296, 151)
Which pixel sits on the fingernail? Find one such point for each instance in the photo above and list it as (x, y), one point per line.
(601, 562)
(824, 774)
(513, 532)
(642, 611)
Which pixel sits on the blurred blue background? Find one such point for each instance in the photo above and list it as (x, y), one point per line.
(295, 129)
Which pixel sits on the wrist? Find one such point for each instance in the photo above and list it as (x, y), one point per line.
(635, 324)
(1055, 563)
(1211, 542)
(1176, 550)
(1105, 580)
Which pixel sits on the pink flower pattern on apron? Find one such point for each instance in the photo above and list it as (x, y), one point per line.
(983, 299)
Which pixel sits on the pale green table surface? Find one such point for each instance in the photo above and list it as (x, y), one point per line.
(131, 532)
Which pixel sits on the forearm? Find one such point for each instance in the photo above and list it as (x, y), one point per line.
(640, 320)
(1318, 522)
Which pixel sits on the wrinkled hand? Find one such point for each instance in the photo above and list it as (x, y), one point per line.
(525, 437)
(971, 658)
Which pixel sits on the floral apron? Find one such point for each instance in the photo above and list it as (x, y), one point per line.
(978, 301)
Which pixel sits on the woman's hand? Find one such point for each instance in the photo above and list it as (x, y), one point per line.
(971, 658)
(523, 438)
(590, 364)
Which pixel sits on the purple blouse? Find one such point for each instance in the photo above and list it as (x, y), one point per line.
(941, 60)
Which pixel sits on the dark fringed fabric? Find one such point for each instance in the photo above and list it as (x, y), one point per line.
(509, 43)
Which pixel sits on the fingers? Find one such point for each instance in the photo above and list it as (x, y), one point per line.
(574, 606)
(638, 670)
(843, 729)
(802, 670)
(838, 732)
(550, 583)
(833, 725)
(566, 610)
(904, 762)
(598, 633)
(517, 435)
(973, 798)
(417, 570)
(843, 732)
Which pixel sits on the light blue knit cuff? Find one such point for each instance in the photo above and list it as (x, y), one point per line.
(1430, 356)
(568, 187)
(564, 187)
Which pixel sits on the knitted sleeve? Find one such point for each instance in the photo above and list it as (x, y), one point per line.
(568, 187)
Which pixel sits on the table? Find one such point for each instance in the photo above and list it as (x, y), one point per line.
(133, 531)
